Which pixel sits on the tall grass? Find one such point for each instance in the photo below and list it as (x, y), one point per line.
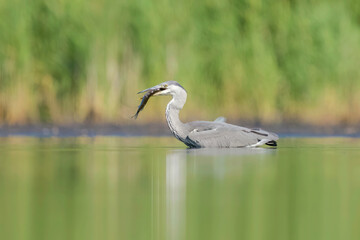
(74, 61)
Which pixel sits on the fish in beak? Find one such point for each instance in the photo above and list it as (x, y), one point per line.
(149, 93)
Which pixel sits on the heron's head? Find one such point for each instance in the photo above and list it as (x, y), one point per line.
(165, 88)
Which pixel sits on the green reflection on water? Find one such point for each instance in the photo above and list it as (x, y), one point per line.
(154, 188)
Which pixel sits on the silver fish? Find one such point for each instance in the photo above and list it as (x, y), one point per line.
(145, 99)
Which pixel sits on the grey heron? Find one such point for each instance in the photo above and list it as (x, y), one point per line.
(199, 134)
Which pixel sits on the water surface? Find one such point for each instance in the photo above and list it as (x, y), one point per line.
(155, 188)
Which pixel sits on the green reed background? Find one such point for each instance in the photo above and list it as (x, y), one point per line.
(72, 61)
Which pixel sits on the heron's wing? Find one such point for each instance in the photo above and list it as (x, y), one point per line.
(264, 133)
(225, 136)
(220, 119)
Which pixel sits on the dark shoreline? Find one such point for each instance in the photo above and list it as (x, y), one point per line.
(155, 129)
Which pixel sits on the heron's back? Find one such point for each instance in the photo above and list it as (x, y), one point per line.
(220, 135)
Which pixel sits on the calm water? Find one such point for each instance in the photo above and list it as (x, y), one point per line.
(154, 188)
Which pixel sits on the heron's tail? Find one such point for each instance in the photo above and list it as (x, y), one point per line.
(271, 143)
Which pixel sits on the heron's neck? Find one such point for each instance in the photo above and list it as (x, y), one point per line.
(172, 115)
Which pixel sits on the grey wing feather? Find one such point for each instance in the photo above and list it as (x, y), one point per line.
(220, 119)
(216, 134)
(264, 133)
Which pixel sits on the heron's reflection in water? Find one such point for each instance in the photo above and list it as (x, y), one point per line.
(175, 195)
(184, 162)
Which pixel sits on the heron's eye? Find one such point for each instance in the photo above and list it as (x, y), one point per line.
(165, 85)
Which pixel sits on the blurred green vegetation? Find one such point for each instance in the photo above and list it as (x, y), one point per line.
(73, 61)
